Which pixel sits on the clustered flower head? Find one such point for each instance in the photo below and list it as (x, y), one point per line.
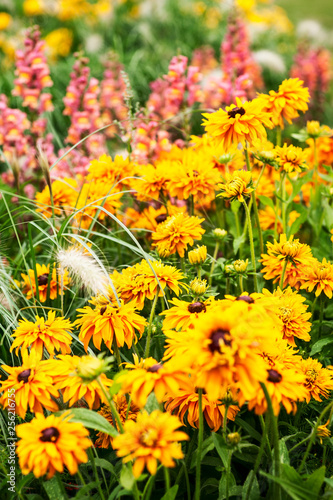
(237, 185)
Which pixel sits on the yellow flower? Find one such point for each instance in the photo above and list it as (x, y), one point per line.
(33, 385)
(153, 182)
(176, 233)
(313, 128)
(59, 42)
(320, 276)
(147, 375)
(195, 175)
(242, 123)
(284, 385)
(267, 218)
(64, 198)
(240, 266)
(237, 185)
(52, 333)
(91, 367)
(297, 255)
(183, 314)
(47, 444)
(110, 170)
(43, 271)
(185, 404)
(139, 282)
(198, 255)
(33, 7)
(219, 234)
(291, 159)
(5, 20)
(318, 380)
(152, 437)
(105, 440)
(284, 104)
(109, 322)
(66, 372)
(292, 312)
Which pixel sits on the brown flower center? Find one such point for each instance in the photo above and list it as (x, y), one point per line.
(24, 376)
(274, 376)
(149, 438)
(50, 435)
(246, 298)
(102, 310)
(43, 279)
(196, 307)
(236, 111)
(218, 338)
(161, 218)
(155, 368)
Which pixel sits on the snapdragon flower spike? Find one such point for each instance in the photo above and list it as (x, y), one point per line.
(149, 140)
(312, 65)
(241, 73)
(113, 88)
(33, 74)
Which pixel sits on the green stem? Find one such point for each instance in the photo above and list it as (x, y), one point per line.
(199, 450)
(299, 444)
(240, 278)
(283, 201)
(228, 475)
(150, 325)
(111, 404)
(199, 272)
(256, 216)
(238, 231)
(81, 477)
(253, 258)
(283, 273)
(117, 353)
(315, 154)
(264, 428)
(216, 249)
(257, 462)
(274, 426)
(314, 434)
(321, 314)
(278, 136)
(182, 263)
(167, 479)
(92, 460)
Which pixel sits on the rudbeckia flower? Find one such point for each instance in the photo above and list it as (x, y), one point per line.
(29, 283)
(150, 439)
(319, 277)
(52, 333)
(47, 444)
(318, 380)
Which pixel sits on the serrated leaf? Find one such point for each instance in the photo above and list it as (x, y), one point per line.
(105, 464)
(317, 347)
(284, 453)
(152, 403)
(267, 201)
(91, 420)
(127, 479)
(238, 242)
(255, 492)
(171, 493)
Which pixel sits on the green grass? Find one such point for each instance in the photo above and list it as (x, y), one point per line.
(321, 10)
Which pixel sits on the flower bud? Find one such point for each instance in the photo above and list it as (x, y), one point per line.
(90, 367)
(198, 287)
(240, 266)
(219, 234)
(198, 255)
(313, 128)
(234, 438)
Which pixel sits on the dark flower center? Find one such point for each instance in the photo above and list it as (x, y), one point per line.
(102, 311)
(196, 390)
(216, 338)
(50, 435)
(195, 173)
(155, 368)
(196, 307)
(24, 376)
(43, 279)
(161, 218)
(246, 298)
(274, 376)
(236, 111)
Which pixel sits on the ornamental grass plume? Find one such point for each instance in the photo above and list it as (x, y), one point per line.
(47, 444)
(84, 269)
(150, 439)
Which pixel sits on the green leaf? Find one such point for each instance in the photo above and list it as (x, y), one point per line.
(250, 455)
(284, 453)
(267, 201)
(152, 403)
(299, 221)
(105, 464)
(317, 347)
(255, 493)
(91, 420)
(235, 206)
(238, 242)
(171, 493)
(221, 448)
(85, 489)
(55, 489)
(297, 487)
(248, 428)
(231, 486)
(127, 479)
(207, 446)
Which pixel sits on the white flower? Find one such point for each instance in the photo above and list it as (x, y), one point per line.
(270, 60)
